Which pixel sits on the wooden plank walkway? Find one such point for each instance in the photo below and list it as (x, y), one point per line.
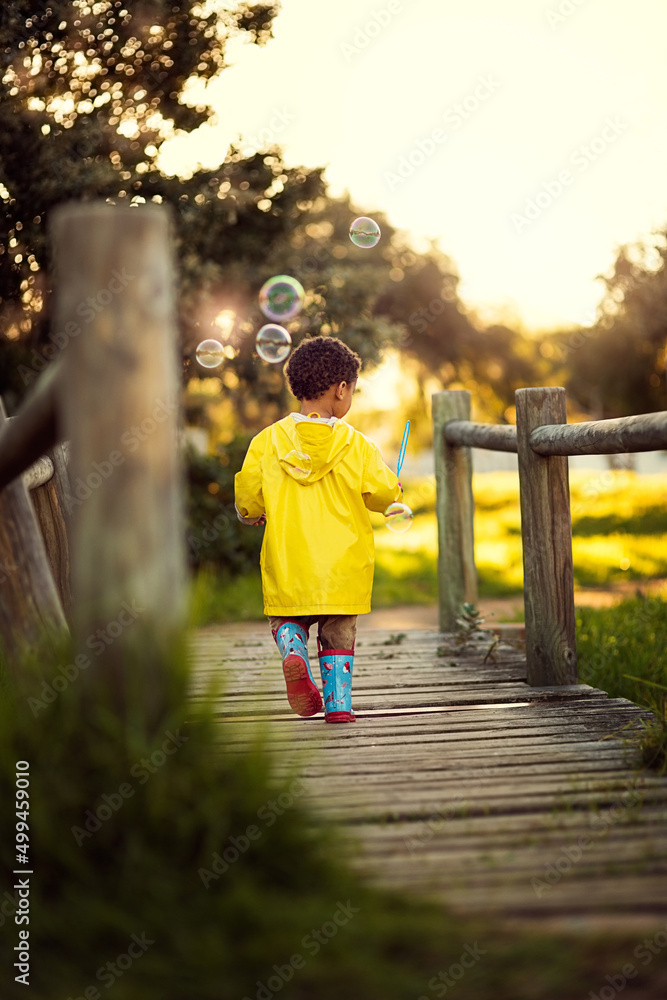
(460, 782)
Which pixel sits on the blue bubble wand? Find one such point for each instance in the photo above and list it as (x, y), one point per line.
(399, 515)
(404, 444)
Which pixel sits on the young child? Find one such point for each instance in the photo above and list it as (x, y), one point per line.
(312, 479)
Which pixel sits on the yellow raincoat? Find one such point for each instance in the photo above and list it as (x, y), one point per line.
(316, 483)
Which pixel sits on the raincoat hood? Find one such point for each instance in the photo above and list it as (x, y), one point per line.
(307, 450)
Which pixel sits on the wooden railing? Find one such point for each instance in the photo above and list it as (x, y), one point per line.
(112, 520)
(542, 439)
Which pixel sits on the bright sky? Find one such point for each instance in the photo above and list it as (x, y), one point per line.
(562, 103)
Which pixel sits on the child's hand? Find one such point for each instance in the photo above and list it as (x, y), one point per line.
(251, 522)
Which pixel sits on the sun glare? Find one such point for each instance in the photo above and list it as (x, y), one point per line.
(225, 322)
(529, 145)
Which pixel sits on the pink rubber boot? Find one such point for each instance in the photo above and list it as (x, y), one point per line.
(302, 692)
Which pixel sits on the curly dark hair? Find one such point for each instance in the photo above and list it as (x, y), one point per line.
(317, 364)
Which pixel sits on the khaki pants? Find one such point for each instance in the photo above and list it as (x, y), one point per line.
(334, 631)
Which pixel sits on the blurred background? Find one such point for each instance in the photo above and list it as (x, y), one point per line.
(514, 156)
(515, 163)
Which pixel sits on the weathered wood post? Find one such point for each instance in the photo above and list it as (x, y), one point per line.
(457, 577)
(546, 529)
(29, 603)
(115, 304)
(51, 501)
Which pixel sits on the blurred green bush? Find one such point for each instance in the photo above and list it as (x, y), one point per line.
(215, 536)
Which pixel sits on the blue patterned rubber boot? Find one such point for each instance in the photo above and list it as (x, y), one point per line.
(336, 669)
(302, 692)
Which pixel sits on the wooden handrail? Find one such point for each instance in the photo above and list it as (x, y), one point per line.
(30, 606)
(35, 428)
(542, 445)
(617, 435)
(39, 473)
(495, 437)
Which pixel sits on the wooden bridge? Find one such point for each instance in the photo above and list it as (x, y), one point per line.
(502, 787)
(499, 786)
(459, 780)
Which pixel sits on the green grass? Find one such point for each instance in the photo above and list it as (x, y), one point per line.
(619, 533)
(629, 638)
(619, 529)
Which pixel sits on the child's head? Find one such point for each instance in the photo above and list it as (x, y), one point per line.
(319, 363)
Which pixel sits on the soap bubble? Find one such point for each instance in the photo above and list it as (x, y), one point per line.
(399, 517)
(273, 343)
(365, 232)
(300, 464)
(281, 298)
(210, 353)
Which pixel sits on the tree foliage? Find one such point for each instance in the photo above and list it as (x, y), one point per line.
(616, 367)
(90, 92)
(446, 342)
(341, 282)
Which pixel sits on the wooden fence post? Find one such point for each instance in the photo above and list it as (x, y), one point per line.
(457, 577)
(115, 301)
(29, 603)
(546, 529)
